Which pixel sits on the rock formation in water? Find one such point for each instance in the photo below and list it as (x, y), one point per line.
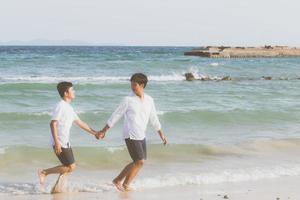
(244, 52)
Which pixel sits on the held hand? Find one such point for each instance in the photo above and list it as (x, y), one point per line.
(57, 149)
(101, 134)
(95, 133)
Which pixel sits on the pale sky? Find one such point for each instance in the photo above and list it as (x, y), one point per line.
(153, 22)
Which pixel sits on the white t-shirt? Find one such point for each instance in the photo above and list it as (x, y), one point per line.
(65, 115)
(136, 113)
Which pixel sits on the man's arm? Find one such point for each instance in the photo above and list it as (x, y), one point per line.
(156, 124)
(85, 127)
(57, 146)
(119, 112)
(101, 134)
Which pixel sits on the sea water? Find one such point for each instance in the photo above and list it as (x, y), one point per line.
(244, 129)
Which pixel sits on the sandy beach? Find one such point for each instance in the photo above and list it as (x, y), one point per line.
(273, 189)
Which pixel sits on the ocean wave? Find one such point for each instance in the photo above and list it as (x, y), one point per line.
(223, 176)
(159, 181)
(208, 116)
(214, 64)
(27, 115)
(92, 79)
(115, 156)
(36, 189)
(240, 164)
(2, 150)
(14, 116)
(233, 116)
(174, 77)
(115, 149)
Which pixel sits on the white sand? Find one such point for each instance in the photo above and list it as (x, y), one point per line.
(282, 188)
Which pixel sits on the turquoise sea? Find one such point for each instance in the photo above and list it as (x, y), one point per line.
(218, 131)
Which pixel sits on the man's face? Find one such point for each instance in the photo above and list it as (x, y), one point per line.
(70, 93)
(137, 88)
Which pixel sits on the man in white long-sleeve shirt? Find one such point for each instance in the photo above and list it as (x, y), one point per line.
(138, 108)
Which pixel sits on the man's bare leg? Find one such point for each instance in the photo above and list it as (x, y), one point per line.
(57, 188)
(137, 165)
(55, 170)
(118, 180)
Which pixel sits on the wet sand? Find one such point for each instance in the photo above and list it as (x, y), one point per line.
(277, 188)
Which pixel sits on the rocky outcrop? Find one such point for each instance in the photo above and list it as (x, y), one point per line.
(226, 78)
(267, 77)
(244, 52)
(190, 77)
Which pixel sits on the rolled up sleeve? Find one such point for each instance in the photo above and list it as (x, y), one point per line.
(119, 112)
(154, 118)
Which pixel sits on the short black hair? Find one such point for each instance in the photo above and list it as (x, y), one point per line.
(139, 78)
(63, 87)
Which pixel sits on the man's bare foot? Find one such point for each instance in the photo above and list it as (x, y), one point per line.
(127, 188)
(118, 185)
(41, 176)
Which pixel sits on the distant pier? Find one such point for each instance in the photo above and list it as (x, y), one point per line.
(244, 52)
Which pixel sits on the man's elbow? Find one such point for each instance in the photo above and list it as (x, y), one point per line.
(79, 123)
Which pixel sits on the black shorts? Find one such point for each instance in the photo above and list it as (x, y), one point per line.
(66, 156)
(137, 149)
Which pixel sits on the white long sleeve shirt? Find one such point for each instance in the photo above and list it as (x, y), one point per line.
(137, 113)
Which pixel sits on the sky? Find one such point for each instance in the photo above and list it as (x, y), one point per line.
(151, 22)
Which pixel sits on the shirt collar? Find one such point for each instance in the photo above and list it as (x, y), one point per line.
(132, 94)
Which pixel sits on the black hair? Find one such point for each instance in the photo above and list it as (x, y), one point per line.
(139, 78)
(63, 87)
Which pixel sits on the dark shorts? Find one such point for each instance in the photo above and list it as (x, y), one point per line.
(66, 156)
(137, 149)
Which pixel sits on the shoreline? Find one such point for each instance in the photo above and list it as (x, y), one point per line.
(284, 187)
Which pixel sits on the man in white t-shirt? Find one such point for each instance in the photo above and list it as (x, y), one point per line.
(62, 119)
(138, 108)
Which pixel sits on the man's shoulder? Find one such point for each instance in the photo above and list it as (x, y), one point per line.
(148, 97)
(62, 105)
(126, 97)
(58, 104)
(129, 96)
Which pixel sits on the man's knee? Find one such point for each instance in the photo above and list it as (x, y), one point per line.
(139, 163)
(71, 167)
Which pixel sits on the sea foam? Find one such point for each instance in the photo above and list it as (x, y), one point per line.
(2, 150)
(226, 176)
(92, 79)
(160, 181)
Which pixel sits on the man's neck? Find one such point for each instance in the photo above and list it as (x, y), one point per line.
(66, 99)
(140, 95)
